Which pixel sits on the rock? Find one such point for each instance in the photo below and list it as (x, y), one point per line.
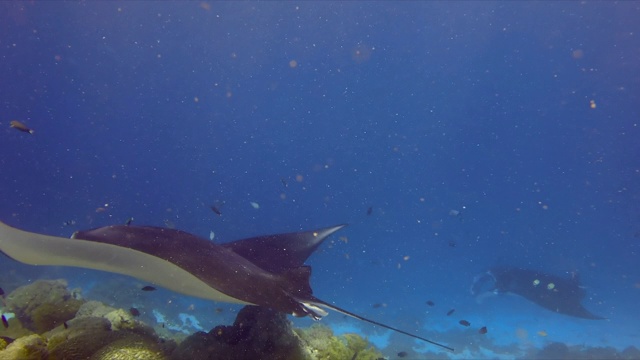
(257, 333)
(93, 309)
(32, 347)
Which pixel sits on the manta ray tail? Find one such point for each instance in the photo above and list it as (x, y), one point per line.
(319, 303)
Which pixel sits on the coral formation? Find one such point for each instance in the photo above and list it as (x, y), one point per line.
(43, 305)
(70, 328)
(320, 343)
(100, 332)
(93, 309)
(32, 347)
(257, 333)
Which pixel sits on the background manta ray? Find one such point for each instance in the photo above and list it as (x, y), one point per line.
(552, 292)
(265, 270)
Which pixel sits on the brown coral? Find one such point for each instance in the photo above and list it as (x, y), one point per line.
(43, 305)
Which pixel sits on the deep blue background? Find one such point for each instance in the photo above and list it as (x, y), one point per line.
(161, 109)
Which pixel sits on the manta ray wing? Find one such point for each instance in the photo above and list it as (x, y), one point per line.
(278, 253)
(552, 292)
(37, 249)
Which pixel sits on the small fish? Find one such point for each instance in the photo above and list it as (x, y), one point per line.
(376, 305)
(452, 243)
(451, 312)
(254, 205)
(69, 223)
(219, 310)
(542, 333)
(284, 182)
(1, 292)
(431, 303)
(402, 354)
(483, 330)
(5, 322)
(148, 288)
(135, 312)
(464, 323)
(163, 325)
(20, 126)
(129, 221)
(370, 210)
(215, 210)
(7, 339)
(355, 355)
(64, 323)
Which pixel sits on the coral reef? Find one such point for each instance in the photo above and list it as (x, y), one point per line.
(43, 305)
(69, 328)
(92, 330)
(93, 338)
(96, 332)
(257, 333)
(320, 343)
(32, 347)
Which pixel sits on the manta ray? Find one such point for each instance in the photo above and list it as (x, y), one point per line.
(560, 295)
(265, 271)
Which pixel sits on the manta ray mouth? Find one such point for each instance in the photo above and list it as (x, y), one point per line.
(313, 310)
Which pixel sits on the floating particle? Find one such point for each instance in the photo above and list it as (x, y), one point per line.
(255, 205)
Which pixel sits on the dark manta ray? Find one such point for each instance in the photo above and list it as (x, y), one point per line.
(552, 292)
(265, 270)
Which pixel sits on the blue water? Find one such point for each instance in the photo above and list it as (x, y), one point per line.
(522, 117)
